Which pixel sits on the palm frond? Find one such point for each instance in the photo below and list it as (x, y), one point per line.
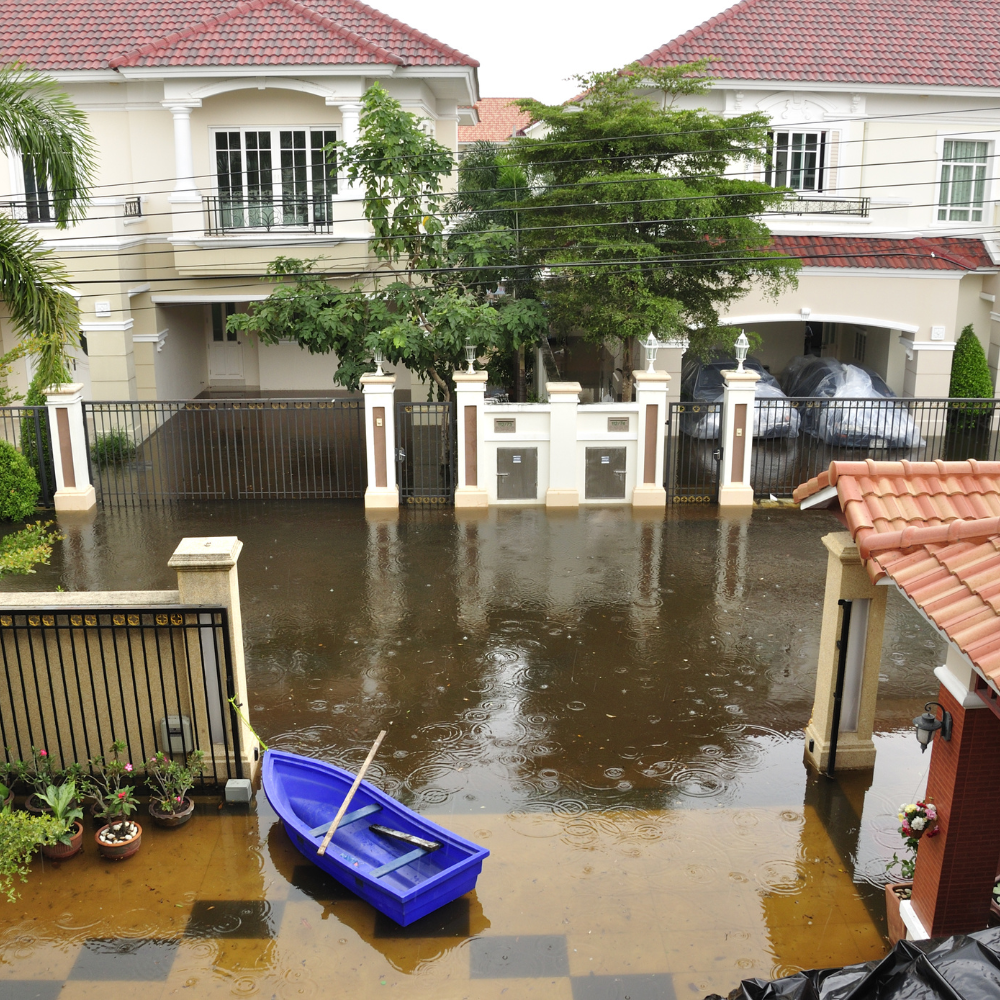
(38, 119)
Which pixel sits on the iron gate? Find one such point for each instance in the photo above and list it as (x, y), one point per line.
(693, 458)
(425, 452)
(226, 449)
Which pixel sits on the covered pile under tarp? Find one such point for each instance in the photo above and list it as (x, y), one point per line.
(963, 967)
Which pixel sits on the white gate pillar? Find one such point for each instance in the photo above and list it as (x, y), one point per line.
(736, 439)
(74, 490)
(564, 400)
(380, 440)
(651, 395)
(470, 397)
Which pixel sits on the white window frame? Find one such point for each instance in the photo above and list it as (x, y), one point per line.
(822, 152)
(990, 166)
(271, 214)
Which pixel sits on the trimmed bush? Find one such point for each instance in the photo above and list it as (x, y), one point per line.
(970, 371)
(18, 485)
(113, 448)
(37, 452)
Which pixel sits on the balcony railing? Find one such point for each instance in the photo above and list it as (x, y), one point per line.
(30, 210)
(802, 205)
(229, 215)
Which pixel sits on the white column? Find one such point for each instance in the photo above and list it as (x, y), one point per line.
(350, 132)
(564, 400)
(74, 490)
(185, 188)
(470, 398)
(380, 440)
(651, 395)
(736, 438)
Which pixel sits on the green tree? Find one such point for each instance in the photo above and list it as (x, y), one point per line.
(40, 124)
(423, 324)
(635, 215)
(970, 379)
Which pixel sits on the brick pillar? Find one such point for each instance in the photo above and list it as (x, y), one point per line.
(955, 870)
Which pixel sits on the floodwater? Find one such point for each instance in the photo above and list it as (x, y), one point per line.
(612, 705)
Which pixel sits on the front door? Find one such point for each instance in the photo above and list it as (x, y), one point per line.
(225, 348)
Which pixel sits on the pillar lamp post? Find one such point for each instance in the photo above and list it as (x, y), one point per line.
(379, 360)
(742, 348)
(470, 357)
(652, 345)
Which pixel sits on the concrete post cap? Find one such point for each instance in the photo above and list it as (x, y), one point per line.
(744, 376)
(64, 389)
(657, 375)
(470, 377)
(377, 380)
(220, 552)
(563, 388)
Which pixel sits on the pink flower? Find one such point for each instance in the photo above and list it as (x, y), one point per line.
(121, 795)
(934, 832)
(128, 767)
(180, 798)
(43, 753)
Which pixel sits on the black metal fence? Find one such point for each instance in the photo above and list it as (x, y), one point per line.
(425, 452)
(254, 449)
(796, 439)
(691, 456)
(157, 678)
(27, 429)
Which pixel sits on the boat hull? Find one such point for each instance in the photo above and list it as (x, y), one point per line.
(307, 793)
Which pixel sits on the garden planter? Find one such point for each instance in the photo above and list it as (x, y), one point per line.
(897, 929)
(35, 805)
(122, 849)
(59, 852)
(178, 818)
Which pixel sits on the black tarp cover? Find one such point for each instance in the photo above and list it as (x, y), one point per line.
(963, 967)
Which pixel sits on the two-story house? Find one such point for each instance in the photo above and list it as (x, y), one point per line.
(885, 124)
(211, 119)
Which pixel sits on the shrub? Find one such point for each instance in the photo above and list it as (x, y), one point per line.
(113, 448)
(37, 452)
(20, 835)
(18, 485)
(22, 550)
(970, 379)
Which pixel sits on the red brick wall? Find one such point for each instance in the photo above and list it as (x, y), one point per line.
(955, 870)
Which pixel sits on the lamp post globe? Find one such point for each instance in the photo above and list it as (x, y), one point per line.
(926, 726)
(652, 345)
(742, 348)
(470, 357)
(379, 360)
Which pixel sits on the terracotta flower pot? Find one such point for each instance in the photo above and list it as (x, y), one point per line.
(36, 805)
(178, 818)
(897, 929)
(124, 848)
(60, 852)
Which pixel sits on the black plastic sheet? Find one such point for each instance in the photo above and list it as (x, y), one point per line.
(963, 967)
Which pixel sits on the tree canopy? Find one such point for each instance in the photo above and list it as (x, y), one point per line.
(634, 216)
(417, 311)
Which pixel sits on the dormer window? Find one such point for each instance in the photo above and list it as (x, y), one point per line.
(275, 177)
(797, 160)
(963, 181)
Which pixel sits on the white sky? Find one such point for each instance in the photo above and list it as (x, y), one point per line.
(528, 48)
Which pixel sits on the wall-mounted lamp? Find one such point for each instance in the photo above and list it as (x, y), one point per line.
(379, 360)
(928, 724)
(742, 347)
(652, 345)
(470, 356)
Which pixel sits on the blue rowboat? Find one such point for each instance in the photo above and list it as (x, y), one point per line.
(400, 879)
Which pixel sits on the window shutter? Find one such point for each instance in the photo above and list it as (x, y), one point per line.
(833, 158)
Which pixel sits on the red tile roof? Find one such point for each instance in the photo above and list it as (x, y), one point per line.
(499, 120)
(70, 35)
(944, 254)
(951, 43)
(933, 528)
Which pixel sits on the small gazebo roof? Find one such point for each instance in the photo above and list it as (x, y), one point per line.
(932, 529)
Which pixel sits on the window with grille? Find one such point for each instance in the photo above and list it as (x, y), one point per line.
(38, 204)
(963, 181)
(275, 177)
(797, 160)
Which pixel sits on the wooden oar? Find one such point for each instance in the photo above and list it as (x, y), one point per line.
(350, 795)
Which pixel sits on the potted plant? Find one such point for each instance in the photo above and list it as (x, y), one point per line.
(65, 809)
(120, 837)
(8, 775)
(20, 835)
(170, 804)
(41, 774)
(917, 819)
